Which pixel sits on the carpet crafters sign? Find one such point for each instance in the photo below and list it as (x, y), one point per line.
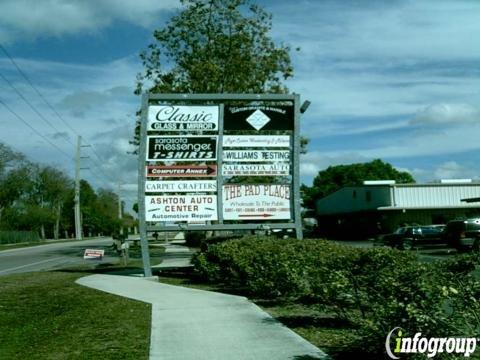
(181, 148)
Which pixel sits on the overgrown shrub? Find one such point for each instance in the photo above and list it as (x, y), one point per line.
(376, 288)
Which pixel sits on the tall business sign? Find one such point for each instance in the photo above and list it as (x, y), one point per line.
(207, 163)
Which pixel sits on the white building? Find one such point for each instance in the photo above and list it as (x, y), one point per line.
(383, 206)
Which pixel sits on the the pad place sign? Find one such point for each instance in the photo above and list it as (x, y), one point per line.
(182, 118)
(181, 148)
(181, 208)
(180, 186)
(256, 202)
(253, 141)
(279, 169)
(256, 155)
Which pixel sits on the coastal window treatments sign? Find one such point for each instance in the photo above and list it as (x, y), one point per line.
(259, 117)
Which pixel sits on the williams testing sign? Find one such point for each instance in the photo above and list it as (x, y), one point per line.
(182, 118)
(256, 202)
(181, 208)
(181, 148)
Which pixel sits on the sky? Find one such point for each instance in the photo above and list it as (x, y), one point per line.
(397, 80)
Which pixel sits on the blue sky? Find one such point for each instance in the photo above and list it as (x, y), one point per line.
(397, 80)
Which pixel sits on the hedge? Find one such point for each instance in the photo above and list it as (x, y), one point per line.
(375, 288)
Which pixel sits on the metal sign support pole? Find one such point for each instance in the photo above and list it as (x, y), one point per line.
(141, 188)
(296, 169)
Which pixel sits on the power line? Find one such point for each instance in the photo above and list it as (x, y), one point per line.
(27, 79)
(30, 105)
(33, 129)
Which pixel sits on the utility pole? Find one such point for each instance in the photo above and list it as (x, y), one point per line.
(120, 210)
(78, 220)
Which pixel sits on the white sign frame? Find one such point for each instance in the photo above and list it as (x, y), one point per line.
(183, 118)
(173, 208)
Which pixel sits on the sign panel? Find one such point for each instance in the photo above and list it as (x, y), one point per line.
(181, 148)
(182, 171)
(270, 141)
(181, 186)
(280, 169)
(256, 202)
(258, 117)
(181, 208)
(182, 118)
(93, 254)
(256, 155)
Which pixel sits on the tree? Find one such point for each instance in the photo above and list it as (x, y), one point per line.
(335, 177)
(216, 46)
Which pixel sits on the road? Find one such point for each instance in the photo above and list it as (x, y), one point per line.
(52, 256)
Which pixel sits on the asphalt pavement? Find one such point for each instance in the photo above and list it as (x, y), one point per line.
(53, 256)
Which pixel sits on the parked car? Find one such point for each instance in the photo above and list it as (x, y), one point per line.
(463, 234)
(409, 237)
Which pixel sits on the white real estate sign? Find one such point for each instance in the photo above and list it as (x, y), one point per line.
(182, 118)
(181, 208)
(252, 141)
(256, 202)
(279, 169)
(181, 186)
(256, 155)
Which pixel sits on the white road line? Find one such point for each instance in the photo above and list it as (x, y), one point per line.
(32, 264)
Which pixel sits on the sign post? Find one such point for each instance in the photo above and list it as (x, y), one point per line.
(206, 163)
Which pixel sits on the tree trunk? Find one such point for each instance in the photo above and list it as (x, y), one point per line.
(56, 226)
(42, 232)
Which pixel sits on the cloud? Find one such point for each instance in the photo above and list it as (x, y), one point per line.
(447, 114)
(454, 170)
(61, 135)
(33, 19)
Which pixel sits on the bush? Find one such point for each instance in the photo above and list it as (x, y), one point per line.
(376, 288)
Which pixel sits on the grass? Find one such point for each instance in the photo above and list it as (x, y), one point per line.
(45, 315)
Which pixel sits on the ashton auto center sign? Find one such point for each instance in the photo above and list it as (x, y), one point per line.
(181, 208)
(256, 202)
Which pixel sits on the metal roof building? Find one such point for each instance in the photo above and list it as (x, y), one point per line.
(393, 204)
